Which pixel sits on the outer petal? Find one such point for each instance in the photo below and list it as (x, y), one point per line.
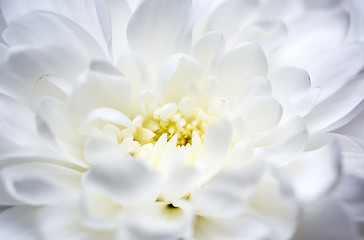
(326, 219)
(62, 126)
(119, 14)
(40, 28)
(229, 193)
(217, 142)
(17, 124)
(274, 204)
(177, 72)
(315, 172)
(64, 222)
(159, 221)
(18, 223)
(170, 16)
(90, 15)
(40, 183)
(322, 36)
(239, 66)
(229, 16)
(289, 84)
(336, 68)
(283, 143)
(97, 88)
(123, 178)
(262, 114)
(230, 229)
(36, 63)
(339, 108)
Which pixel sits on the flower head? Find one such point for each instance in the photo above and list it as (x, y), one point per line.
(181, 119)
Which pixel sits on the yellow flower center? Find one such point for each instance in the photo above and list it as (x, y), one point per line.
(183, 123)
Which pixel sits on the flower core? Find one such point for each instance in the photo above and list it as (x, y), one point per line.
(172, 121)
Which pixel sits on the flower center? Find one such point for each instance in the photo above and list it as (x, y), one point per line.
(183, 123)
(170, 121)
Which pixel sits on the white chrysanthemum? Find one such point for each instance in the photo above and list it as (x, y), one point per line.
(181, 119)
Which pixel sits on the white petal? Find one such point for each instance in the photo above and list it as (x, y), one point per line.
(268, 34)
(120, 177)
(315, 172)
(302, 48)
(229, 16)
(339, 108)
(326, 219)
(101, 116)
(17, 124)
(170, 16)
(18, 223)
(239, 66)
(181, 183)
(356, 31)
(335, 69)
(291, 86)
(350, 192)
(41, 28)
(217, 142)
(207, 50)
(63, 127)
(159, 220)
(274, 204)
(134, 68)
(283, 143)
(64, 222)
(354, 127)
(262, 114)
(37, 62)
(176, 72)
(98, 211)
(281, 9)
(230, 229)
(119, 14)
(95, 89)
(40, 183)
(90, 15)
(229, 193)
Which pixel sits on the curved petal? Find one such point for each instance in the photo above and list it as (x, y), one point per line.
(315, 172)
(283, 143)
(18, 126)
(262, 113)
(41, 28)
(122, 178)
(63, 126)
(120, 13)
(336, 68)
(230, 229)
(176, 73)
(229, 193)
(170, 16)
(36, 63)
(207, 50)
(159, 220)
(40, 183)
(101, 116)
(240, 65)
(98, 211)
(18, 223)
(217, 142)
(326, 219)
(322, 37)
(95, 89)
(339, 108)
(275, 205)
(230, 16)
